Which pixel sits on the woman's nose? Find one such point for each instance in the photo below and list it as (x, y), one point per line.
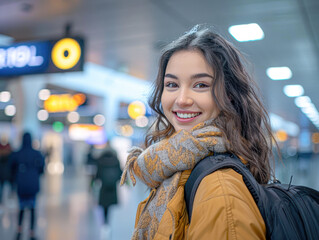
(184, 98)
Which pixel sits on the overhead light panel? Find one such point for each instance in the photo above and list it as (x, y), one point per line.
(73, 117)
(10, 110)
(43, 115)
(308, 108)
(5, 40)
(303, 101)
(99, 120)
(293, 90)
(5, 96)
(44, 94)
(279, 73)
(246, 32)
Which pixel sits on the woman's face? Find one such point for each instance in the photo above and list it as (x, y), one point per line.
(187, 98)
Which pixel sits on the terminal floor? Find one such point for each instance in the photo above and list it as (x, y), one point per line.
(67, 208)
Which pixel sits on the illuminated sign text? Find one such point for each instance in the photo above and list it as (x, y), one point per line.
(64, 102)
(52, 56)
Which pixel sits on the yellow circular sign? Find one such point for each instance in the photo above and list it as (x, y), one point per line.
(66, 53)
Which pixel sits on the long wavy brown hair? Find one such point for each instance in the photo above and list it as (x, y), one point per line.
(242, 120)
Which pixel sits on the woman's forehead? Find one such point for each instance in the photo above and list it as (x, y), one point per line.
(188, 61)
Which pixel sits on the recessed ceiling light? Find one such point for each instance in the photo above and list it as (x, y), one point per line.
(44, 94)
(73, 117)
(43, 115)
(303, 101)
(293, 90)
(10, 110)
(5, 96)
(246, 32)
(279, 73)
(99, 120)
(5, 40)
(308, 108)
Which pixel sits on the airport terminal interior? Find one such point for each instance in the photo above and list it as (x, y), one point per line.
(77, 75)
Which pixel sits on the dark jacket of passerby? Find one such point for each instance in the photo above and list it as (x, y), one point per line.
(109, 172)
(27, 165)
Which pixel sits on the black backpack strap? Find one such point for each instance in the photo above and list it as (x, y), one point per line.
(211, 164)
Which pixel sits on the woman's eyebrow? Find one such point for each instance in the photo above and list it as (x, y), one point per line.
(195, 76)
(201, 75)
(168, 75)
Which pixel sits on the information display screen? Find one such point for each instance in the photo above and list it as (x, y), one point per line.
(52, 56)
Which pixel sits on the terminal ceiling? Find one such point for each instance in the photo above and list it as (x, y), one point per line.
(127, 35)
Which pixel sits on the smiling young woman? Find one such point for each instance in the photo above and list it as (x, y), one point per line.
(206, 103)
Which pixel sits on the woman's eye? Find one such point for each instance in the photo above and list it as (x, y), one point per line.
(171, 85)
(201, 85)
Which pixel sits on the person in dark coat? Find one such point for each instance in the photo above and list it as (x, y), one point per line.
(109, 172)
(27, 165)
(91, 167)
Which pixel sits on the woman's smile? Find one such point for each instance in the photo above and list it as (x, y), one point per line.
(185, 116)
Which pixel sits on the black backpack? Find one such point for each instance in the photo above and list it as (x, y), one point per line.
(289, 212)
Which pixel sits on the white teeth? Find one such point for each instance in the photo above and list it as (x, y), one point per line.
(187, 115)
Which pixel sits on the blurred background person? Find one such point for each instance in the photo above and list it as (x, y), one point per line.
(91, 167)
(109, 173)
(27, 165)
(5, 176)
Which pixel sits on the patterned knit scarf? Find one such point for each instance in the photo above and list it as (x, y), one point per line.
(160, 167)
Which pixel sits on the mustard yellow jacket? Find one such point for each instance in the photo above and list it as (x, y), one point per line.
(223, 209)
